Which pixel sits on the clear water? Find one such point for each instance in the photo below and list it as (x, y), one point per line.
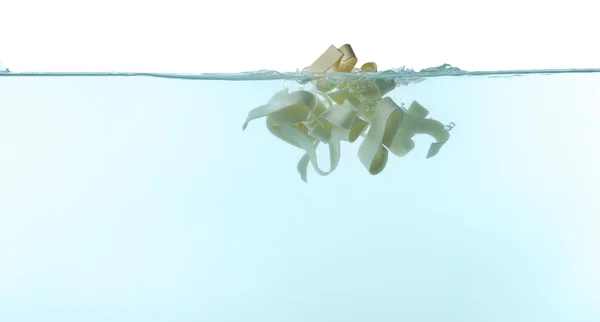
(141, 199)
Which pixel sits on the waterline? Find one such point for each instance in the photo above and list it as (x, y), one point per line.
(273, 75)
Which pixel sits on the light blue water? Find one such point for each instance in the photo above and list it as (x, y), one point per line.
(141, 199)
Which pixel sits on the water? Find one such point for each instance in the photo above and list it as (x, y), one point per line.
(141, 199)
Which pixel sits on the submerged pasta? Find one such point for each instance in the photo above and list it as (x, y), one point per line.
(342, 110)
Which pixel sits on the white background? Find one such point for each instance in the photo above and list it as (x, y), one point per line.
(233, 36)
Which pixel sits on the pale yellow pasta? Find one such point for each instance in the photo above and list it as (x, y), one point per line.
(306, 119)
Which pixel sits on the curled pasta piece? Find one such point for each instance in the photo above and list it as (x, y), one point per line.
(393, 128)
(301, 119)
